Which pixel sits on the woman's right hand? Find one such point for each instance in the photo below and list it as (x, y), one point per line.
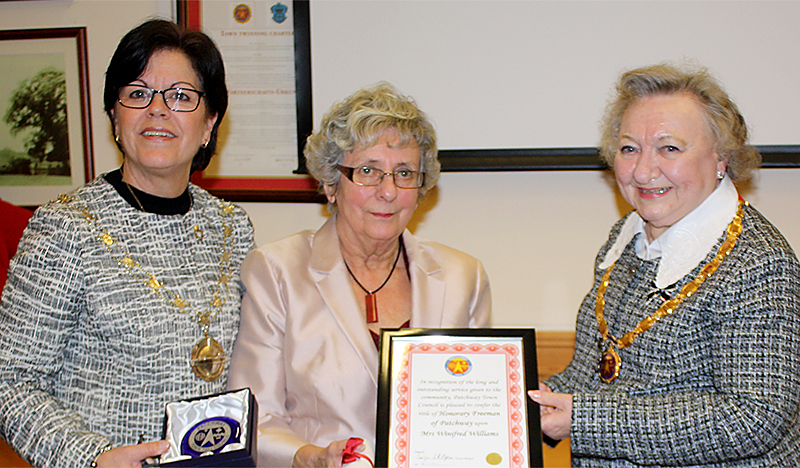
(311, 456)
(555, 411)
(131, 456)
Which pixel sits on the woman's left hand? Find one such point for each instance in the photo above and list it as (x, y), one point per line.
(556, 411)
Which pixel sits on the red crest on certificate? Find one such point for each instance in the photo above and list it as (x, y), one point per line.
(458, 365)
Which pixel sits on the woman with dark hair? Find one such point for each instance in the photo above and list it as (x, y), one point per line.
(124, 294)
(686, 348)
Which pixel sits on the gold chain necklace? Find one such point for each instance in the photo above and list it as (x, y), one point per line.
(610, 362)
(198, 233)
(130, 190)
(207, 358)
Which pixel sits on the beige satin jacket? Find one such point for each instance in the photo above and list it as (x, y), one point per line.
(303, 345)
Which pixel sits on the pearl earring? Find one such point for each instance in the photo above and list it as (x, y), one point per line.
(720, 175)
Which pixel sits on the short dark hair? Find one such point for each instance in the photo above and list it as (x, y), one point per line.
(138, 46)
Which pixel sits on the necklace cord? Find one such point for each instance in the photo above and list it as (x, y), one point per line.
(399, 251)
(130, 190)
(370, 300)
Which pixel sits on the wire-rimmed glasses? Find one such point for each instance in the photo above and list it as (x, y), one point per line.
(177, 99)
(369, 176)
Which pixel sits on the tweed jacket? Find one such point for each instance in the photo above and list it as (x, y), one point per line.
(714, 384)
(304, 347)
(89, 353)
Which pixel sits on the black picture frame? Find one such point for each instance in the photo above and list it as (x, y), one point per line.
(572, 159)
(527, 337)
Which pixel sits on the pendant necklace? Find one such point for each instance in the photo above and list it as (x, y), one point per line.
(371, 301)
(610, 362)
(198, 233)
(207, 357)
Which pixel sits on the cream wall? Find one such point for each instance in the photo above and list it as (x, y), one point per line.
(537, 232)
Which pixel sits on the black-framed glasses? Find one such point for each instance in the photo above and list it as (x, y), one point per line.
(176, 99)
(369, 176)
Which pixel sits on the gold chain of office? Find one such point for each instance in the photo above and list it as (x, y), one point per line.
(207, 356)
(610, 362)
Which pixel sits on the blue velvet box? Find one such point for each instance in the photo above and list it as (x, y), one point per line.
(212, 431)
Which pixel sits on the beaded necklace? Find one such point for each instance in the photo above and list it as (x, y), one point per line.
(610, 362)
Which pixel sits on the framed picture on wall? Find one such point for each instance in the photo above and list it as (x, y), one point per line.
(45, 131)
(267, 53)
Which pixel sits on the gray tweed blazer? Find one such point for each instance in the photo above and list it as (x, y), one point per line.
(715, 384)
(89, 355)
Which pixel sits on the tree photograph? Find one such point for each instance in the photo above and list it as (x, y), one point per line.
(34, 136)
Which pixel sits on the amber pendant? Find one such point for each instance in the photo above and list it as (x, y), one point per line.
(609, 365)
(372, 308)
(208, 359)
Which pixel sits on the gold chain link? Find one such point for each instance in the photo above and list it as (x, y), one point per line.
(203, 318)
(668, 307)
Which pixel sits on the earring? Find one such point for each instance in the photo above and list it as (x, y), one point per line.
(720, 175)
(205, 144)
(116, 138)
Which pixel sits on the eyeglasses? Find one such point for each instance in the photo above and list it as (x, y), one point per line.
(369, 176)
(177, 99)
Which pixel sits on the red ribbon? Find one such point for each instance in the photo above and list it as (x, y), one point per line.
(349, 453)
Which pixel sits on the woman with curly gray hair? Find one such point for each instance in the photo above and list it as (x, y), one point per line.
(315, 302)
(686, 350)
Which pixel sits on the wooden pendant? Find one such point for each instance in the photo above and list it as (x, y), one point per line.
(372, 308)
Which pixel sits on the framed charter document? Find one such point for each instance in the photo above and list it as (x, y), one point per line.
(266, 47)
(457, 398)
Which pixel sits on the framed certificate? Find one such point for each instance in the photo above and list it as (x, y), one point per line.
(457, 398)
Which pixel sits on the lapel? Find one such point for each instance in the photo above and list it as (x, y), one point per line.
(333, 283)
(427, 285)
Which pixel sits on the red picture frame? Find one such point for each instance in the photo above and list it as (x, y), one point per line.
(300, 187)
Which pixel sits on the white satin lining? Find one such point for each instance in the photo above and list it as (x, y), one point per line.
(183, 415)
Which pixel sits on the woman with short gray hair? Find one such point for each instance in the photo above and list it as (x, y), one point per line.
(359, 121)
(315, 302)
